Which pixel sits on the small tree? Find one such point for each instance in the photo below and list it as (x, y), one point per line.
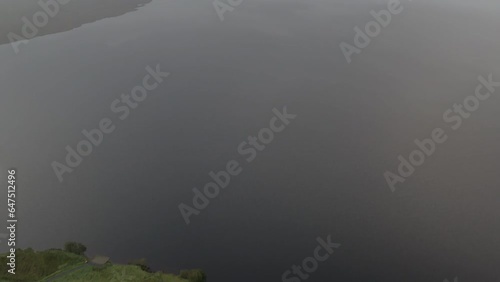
(75, 248)
(142, 264)
(193, 275)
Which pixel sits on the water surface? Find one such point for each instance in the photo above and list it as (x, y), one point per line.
(322, 176)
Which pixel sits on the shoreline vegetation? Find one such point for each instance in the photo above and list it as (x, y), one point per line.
(27, 19)
(70, 264)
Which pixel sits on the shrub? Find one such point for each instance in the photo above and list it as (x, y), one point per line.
(75, 248)
(193, 275)
(142, 264)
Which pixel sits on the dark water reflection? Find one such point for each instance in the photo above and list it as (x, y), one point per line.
(323, 175)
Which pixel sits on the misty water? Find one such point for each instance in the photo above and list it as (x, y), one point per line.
(322, 175)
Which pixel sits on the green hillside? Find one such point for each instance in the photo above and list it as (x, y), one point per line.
(32, 266)
(117, 273)
(62, 266)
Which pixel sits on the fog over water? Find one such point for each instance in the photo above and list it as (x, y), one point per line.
(323, 175)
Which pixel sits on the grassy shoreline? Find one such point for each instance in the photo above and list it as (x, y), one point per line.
(56, 265)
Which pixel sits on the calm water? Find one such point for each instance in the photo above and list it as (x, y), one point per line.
(321, 176)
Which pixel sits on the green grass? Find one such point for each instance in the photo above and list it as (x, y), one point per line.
(62, 268)
(118, 273)
(33, 266)
(58, 265)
